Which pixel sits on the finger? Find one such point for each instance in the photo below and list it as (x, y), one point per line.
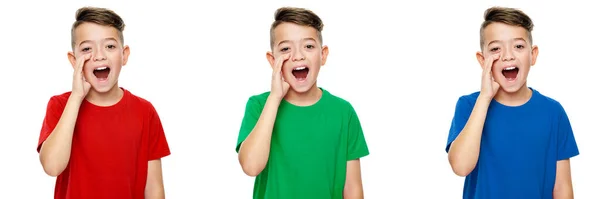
(489, 62)
(280, 61)
(81, 61)
(276, 69)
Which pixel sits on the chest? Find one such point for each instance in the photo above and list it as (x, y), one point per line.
(319, 132)
(109, 131)
(519, 135)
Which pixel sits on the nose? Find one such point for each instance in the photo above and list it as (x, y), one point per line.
(507, 55)
(297, 55)
(98, 55)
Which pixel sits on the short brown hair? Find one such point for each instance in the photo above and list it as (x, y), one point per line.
(100, 16)
(298, 16)
(509, 16)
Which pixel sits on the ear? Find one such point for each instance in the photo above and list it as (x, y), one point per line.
(324, 54)
(125, 54)
(271, 59)
(534, 54)
(72, 59)
(480, 59)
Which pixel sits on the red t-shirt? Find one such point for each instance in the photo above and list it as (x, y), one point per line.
(110, 150)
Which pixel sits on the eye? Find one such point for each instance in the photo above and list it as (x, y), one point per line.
(494, 49)
(110, 46)
(86, 49)
(284, 49)
(310, 46)
(519, 46)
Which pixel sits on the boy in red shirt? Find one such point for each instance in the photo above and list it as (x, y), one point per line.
(100, 140)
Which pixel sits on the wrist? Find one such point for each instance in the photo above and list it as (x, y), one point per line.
(274, 100)
(76, 98)
(484, 100)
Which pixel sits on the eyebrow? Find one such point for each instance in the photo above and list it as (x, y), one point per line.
(305, 39)
(105, 39)
(515, 39)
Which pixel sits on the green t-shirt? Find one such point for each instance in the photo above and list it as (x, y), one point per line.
(310, 146)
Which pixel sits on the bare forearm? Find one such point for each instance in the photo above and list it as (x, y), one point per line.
(155, 194)
(464, 151)
(563, 194)
(563, 185)
(155, 188)
(353, 188)
(254, 151)
(56, 150)
(355, 193)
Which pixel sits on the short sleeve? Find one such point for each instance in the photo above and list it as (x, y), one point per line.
(251, 115)
(54, 111)
(462, 111)
(157, 141)
(357, 145)
(567, 146)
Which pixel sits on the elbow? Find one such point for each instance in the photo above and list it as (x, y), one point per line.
(51, 168)
(460, 166)
(250, 166)
(53, 171)
(251, 170)
(461, 170)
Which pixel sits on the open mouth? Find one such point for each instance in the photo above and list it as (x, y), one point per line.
(300, 73)
(510, 73)
(101, 73)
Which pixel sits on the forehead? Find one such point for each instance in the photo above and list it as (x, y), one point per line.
(503, 32)
(292, 32)
(94, 32)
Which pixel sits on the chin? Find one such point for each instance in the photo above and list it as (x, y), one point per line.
(103, 88)
(302, 88)
(513, 88)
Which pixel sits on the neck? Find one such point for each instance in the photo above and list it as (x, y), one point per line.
(307, 98)
(112, 97)
(514, 99)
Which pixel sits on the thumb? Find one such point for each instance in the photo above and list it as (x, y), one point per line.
(86, 85)
(495, 85)
(285, 85)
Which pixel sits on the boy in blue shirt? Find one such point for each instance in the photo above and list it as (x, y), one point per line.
(509, 140)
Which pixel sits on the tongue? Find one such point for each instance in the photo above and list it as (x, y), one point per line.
(102, 74)
(300, 74)
(511, 74)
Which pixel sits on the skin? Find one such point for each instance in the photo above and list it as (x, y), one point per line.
(505, 45)
(294, 46)
(96, 45)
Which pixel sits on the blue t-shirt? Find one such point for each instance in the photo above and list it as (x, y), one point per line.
(520, 146)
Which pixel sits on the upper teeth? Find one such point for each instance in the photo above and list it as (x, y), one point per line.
(300, 68)
(510, 68)
(101, 68)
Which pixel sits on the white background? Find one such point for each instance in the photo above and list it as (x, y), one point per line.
(402, 66)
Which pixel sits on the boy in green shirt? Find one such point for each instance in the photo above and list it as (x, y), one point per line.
(299, 140)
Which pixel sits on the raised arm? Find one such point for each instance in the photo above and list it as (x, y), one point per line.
(55, 151)
(464, 150)
(254, 150)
